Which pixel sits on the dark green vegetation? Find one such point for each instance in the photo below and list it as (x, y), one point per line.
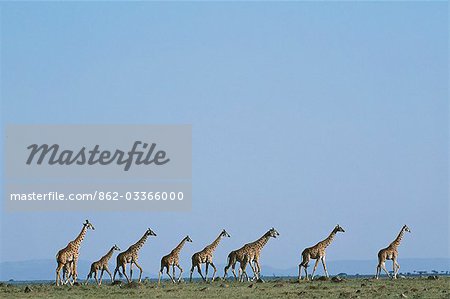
(276, 288)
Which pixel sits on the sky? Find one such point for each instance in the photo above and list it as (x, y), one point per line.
(303, 114)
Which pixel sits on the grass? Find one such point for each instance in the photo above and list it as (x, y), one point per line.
(275, 288)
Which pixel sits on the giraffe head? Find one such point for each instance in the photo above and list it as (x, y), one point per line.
(88, 225)
(338, 228)
(273, 233)
(406, 228)
(149, 232)
(224, 234)
(188, 239)
(115, 247)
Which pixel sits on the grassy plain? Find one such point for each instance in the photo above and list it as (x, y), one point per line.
(274, 288)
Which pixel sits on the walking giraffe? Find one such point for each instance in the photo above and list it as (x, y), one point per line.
(247, 254)
(206, 256)
(172, 259)
(391, 253)
(102, 265)
(68, 256)
(131, 256)
(317, 252)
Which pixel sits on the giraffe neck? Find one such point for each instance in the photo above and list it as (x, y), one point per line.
(177, 249)
(261, 242)
(398, 240)
(325, 243)
(108, 255)
(214, 244)
(138, 245)
(80, 237)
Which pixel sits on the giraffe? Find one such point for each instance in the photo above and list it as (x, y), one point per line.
(68, 256)
(317, 252)
(391, 253)
(247, 254)
(206, 256)
(102, 265)
(172, 260)
(131, 256)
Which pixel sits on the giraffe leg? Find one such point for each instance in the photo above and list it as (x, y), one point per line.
(140, 271)
(74, 269)
(255, 271)
(125, 273)
(131, 272)
(181, 272)
(380, 262)
(258, 269)
(168, 273)
(383, 266)
(68, 268)
(64, 271)
(234, 271)
(225, 270)
(58, 273)
(101, 276)
(192, 271)
(215, 271)
(115, 271)
(95, 277)
(160, 274)
(65, 275)
(324, 264)
(306, 271)
(173, 273)
(87, 278)
(241, 272)
(299, 272)
(71, 274)
(305, 261)
(259, 266)
(314, 269)
(242, 269)
(394, 276)
(109, 272)
(199, 269)
(398, 267)
(206, 274)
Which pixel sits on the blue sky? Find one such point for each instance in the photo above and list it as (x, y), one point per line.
(304, 115)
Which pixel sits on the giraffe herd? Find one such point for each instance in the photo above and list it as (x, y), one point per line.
(249, 254)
